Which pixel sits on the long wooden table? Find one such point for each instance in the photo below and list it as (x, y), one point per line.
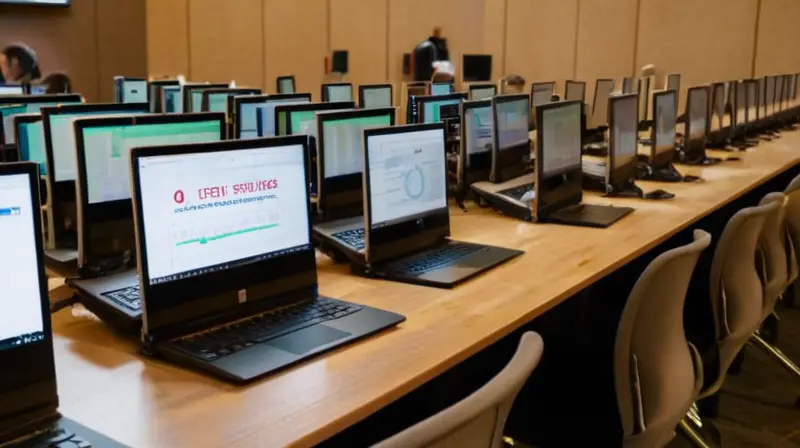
(105, 385)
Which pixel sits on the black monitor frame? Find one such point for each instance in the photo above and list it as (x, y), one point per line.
(422, 100)
(664, 158)
(362, 89)
(695, 149)
(618, 177)
(473, 167)
(324, 89)
(508, 163)
(481, 86)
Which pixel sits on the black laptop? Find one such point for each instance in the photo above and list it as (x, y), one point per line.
(227, 270)
(340, 169)
(107, 283)
(693, 150)
(558, 184)
(510, 181)
(406, 219)
(28, 393)
(59, 138)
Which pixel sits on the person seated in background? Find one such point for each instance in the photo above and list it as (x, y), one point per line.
(513, 84)
(57, 83)
(443, 71)
(18, 64)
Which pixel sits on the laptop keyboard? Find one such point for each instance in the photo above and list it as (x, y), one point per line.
(56, 438)
(127, 297)
(445, 256)
(230, 339)
(352, 237)
(517, 192)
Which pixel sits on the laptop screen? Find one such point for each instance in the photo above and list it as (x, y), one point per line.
(441, 88)
(478, 129)
(62, 137)
(222, 209)
(512, 123)
(10, 111)
(561, 139)
(6, 89)
(31, 144)
(432, 110)
(674, 82)
(172, 100)
(625, 129)
(286, 85)
(407, 176)
(218, 102)
(698, 113)
(482, 93)
(134, 91)
(342, 140)
(541, 93)
(665, 121)
(575, 91)
(21, 319)
(265, 112)
(377, 97)
(343, 92)
(107, 152)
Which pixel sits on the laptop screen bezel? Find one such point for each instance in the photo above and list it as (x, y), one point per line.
(325, 86)
(120, 209)
(30, 368)
(412, 235)
(510, 162)
(6, 100)
(342, 196)
(618, 176)
(665, 158)
(362, 90)
(173, 306)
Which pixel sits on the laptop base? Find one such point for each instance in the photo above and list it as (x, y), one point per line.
(491, 194)
(62, 262)
(447, 276)
(587, 215)
(627, 190)
(118, 317)
(64, 432)
(254, 361)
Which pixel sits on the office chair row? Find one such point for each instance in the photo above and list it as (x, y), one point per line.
(659, 374)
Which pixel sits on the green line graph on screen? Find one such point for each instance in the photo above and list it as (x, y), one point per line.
(208, 239)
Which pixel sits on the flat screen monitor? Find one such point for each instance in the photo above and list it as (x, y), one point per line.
(373, 96)
(477, 67)
(575, 91)
(624, 139)
(337, 92)
(482, 91)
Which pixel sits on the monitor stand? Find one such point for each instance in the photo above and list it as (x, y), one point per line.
(698, 160)
(666, 173)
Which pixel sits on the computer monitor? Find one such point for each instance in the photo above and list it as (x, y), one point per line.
(768, 99)
(192, 95)
(405, 182)
(741, 104)
(11, 89)
(694, 145)
(623, 145)
(575, 91)
(644, 88)
(482, 91)
(30, 140)
(301, 119)
(375, 95)
(628, 85)
(131, 90)
(665, 115)
(673, 82)
(476, 141)
(542, 93)
(334, 92)
(340, 161)
(477, 67)
(103, 161)
(433, 109)
(11, 106)
(716, 113)
(602, 91)
(559, 173)
(751, 102)
(441, 88)
(246, 117)
(413, 90)
(511, 144)
(28, 381)
(171, 100)
(285, 84)
(266, 119)
(156, 93)
(257, 232)
(779, 93)
(216, 100)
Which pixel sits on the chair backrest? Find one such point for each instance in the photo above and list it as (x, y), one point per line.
(792, 206)
(478, 420)
(736, 292)
(654, 367)
(773, 252)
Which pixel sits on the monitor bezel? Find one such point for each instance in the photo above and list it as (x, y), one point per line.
(696, 146)
(414, 234)
(279, 99)
(309, 107)
(231, 91)
(185, 303)
(552, 85)
(609, 96)
(324, 90)
(155, 93)
(468, 172)
(712, 110)
(363, 88)
(164, 99)
(121, 80)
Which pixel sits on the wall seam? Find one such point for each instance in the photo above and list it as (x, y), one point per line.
(636, 36)
(755, 39)
(188, 40)
(577, 36)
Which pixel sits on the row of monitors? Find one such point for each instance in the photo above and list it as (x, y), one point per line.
(22, 89)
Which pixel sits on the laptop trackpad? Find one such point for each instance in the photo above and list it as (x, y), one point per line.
(307, 339)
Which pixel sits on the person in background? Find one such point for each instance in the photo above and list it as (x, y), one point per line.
(57, 83)
(18, 64)
(513, 84)
(426, 53)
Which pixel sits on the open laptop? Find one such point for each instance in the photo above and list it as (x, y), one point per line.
(231, 288)
(406, 217)
(156, 93)
(340, 168)
(337, 91)
(59, 138)
(192, 95)
(575, 91)
(657, 164)
(106, 243)
(245, 111)
(510, 176)
(482, 91)
(130, 90)
(285, 84)
(693, 151)
(266, 124)
(558, 185)
(28, 393)
(375, 95)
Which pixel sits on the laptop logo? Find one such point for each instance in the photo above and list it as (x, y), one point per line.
(242, 295)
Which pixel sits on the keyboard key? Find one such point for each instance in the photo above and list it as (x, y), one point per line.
(127, 297)
(517, 192)
(445, 256)
(353, 238)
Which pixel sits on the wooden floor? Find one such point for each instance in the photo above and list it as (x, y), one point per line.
(757, 406)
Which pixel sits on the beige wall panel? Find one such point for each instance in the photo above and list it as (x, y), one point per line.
(168, 38)
(225, 41)
(778, 36)
(360, 26)
(494, 25)
(540, 44)
(705, 41)
(64, 40)
(121, 43)
(606, 41)
(296, 42)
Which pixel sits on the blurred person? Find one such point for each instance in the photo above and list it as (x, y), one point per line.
(18, 64)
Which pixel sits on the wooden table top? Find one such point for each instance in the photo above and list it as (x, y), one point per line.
(105, 385)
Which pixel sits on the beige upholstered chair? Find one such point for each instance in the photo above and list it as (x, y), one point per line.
(478, 420)
(736, 292)
(792, 206)
(657, 372)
